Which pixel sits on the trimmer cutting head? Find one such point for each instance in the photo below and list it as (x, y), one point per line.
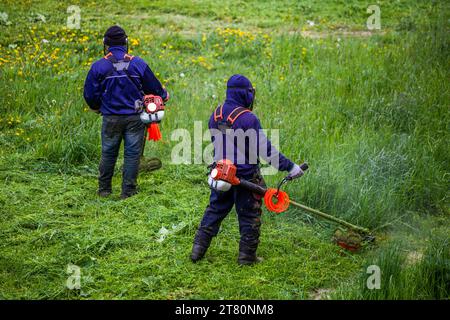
(351, 240)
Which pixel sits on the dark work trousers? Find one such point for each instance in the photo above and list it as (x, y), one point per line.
(248, 208)
(131, 129)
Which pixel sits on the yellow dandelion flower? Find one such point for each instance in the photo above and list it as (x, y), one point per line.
(135, 42)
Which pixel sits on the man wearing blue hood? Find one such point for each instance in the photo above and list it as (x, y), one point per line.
(233, 116)
(114, 87)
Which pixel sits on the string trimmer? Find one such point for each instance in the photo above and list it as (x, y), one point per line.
(277, 201)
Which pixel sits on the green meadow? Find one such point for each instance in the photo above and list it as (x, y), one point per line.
(368, 110)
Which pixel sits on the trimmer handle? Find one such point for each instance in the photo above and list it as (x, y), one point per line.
(261, 190)
(304, 166)
(253, 187)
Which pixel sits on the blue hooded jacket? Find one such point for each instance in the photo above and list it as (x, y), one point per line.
(239, 95)
(118, 95)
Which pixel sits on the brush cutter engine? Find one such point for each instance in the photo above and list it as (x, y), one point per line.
(223, 176)
(153, 109)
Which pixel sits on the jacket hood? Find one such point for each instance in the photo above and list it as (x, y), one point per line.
(238, 91)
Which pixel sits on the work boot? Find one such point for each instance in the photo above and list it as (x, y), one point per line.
(126, 195)
(198, 252)
(248, 259)
(103, 193)
(247, 251)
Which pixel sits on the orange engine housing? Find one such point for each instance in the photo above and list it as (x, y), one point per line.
(158, 103)
(225, 170)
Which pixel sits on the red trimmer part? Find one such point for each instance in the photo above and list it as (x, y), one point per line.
(346, 246)
(153, 132)
(225, 170)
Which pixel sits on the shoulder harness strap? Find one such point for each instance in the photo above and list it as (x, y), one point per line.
(232, 117)
(235, 114)
(108, 56)
(121, 65)
(127, 57)
(218, 115)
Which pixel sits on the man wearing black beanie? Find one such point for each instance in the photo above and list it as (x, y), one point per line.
(115, 36)
(114, 87)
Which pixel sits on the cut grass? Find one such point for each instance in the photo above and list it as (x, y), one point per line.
(63, 222)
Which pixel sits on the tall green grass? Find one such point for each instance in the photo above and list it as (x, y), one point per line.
(407, 274)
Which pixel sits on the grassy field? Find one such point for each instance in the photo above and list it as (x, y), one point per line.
(368, 111)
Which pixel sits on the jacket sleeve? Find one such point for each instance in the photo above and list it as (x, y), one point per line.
(267, 151)
(151, 84)
(92, 89)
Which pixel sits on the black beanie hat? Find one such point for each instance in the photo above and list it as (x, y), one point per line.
(115, 36)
